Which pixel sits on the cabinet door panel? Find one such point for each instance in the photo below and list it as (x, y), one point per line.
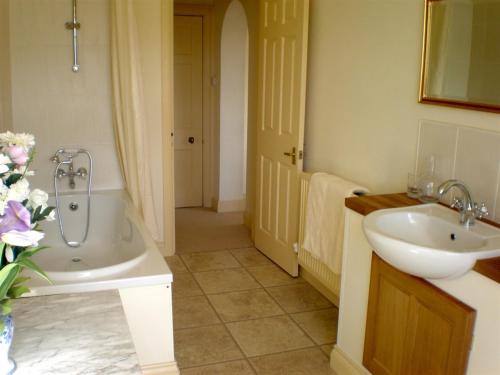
(413, 327)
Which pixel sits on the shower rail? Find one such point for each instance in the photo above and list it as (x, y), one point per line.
(74, 25)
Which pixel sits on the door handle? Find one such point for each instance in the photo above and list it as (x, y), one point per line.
(292, 154)
(191, 140)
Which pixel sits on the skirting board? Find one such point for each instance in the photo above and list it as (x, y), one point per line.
(311, 278)
(230, 206)
(342, 364)
(169, 368)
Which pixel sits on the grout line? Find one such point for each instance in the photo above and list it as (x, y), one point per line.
(260, 287)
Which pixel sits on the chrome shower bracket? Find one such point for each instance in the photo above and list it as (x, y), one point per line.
(74, 25)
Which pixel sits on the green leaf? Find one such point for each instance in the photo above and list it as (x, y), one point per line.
(7, 276)
(17, 291)
(2, 325)
(47, 211)
(30, 252)
(28, 263)
(5, 307)
(36, 214)
(13, 178)
(20, 280)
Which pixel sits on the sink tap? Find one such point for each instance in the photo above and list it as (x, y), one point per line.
(469, 210)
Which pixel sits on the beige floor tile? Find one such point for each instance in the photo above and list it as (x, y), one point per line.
(268, 335)
(175, 264)
(299, 298)
(229, 280)
(199, 229)
(273, 276)
(327, 349)
(184, 285)
(321, 325)
(209, 261)
(204, 346)
(227, 368)
(245, 305)
(193, 312)
(300, 362)
(251, 257)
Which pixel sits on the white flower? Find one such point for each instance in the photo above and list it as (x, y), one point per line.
(4, 160)
(22, 239)
(38, 198)
(24, 140)
(4, 191)
(9, 254)
(19, 191)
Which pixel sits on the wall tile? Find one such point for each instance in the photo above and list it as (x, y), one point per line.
(477, 164)
(437, 139)
(61, 108)
(467, 154)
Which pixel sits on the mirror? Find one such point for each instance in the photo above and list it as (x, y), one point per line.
(461, 54)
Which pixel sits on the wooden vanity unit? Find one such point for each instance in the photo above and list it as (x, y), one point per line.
(412, 326)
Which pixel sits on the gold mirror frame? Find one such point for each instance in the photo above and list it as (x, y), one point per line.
(441, 101)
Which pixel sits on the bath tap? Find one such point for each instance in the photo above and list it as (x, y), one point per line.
(469, 210)
(71, 174)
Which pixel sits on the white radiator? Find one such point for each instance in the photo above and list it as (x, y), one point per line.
(329, 282)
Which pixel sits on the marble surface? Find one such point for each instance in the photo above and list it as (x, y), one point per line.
(75, 334)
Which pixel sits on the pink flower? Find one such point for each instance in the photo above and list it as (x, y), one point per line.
(18, 155)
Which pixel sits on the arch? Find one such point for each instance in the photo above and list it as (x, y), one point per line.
(233, 108)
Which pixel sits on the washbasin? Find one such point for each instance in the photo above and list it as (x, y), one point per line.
(428, 241)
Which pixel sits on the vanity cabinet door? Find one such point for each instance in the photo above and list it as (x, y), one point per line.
(413, 327)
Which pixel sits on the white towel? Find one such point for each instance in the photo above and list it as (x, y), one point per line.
(324, 229)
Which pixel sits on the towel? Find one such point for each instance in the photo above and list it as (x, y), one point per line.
(324, 228)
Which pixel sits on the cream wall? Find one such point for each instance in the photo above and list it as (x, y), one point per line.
(59, 107)
(5, 98)
(252, 13)
(233, 104)
(362, 114)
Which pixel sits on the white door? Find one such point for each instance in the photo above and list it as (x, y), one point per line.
(282, 78)
(188, 113)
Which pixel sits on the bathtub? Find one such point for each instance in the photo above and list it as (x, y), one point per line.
(119, 252)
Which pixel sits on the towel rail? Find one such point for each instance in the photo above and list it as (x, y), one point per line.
(316, 272)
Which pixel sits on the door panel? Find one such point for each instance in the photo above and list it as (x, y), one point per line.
(188, 113)
(282, 74)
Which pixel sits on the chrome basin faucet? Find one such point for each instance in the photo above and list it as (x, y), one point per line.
(469, 210)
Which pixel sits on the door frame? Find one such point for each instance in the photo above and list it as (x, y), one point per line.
(206, 12)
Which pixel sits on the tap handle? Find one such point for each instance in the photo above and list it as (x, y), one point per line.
(481, 210)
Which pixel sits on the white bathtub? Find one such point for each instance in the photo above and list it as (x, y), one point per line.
(118, 252)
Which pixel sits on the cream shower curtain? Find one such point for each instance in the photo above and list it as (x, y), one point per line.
(129, 118)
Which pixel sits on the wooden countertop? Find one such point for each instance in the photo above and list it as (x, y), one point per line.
(369, 203)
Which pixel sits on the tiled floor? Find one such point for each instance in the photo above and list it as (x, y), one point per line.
(235, 312)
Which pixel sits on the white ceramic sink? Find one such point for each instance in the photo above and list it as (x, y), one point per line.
(428, 240)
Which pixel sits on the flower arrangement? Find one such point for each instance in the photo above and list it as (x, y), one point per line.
(21, 211)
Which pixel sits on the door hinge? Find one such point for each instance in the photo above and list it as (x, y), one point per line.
(301, 154)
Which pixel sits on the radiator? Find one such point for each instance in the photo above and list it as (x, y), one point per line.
(329, 282)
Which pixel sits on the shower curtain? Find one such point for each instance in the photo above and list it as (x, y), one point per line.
(129, 119)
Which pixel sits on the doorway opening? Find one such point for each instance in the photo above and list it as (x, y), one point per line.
(233, 110)
(211, 106)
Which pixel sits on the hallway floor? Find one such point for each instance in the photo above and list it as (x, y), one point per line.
(235, 312)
